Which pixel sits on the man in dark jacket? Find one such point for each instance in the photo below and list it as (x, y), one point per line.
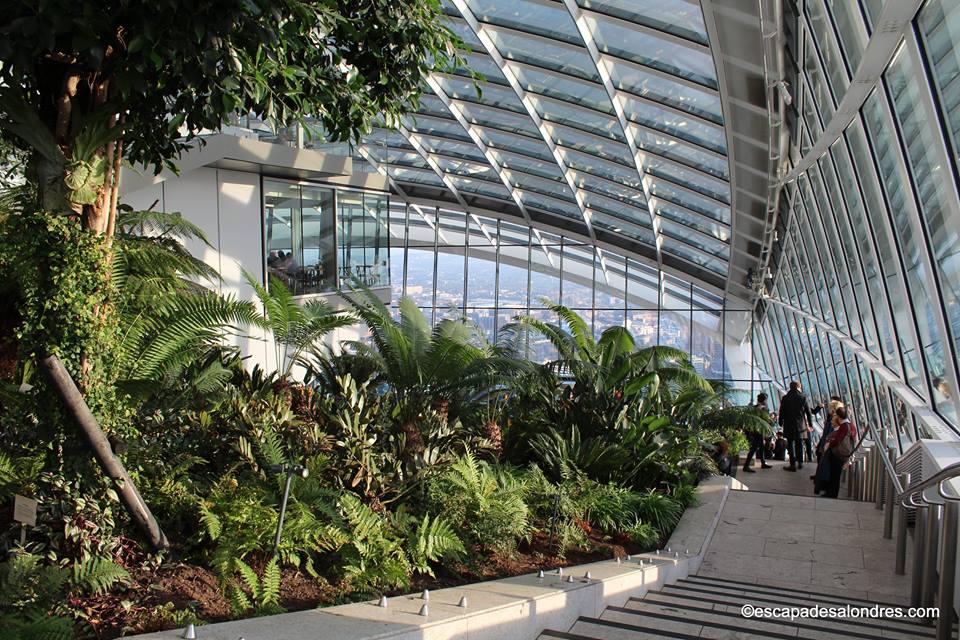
(794, 418)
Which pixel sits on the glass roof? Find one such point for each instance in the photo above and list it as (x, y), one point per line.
(528, 121)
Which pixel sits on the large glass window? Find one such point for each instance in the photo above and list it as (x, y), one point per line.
(299, 223)
(362, 223)
(912, 248)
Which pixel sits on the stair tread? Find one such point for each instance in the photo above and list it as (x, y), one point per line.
(803, 594)
(711, 594)
(730, 613)
(735, 627)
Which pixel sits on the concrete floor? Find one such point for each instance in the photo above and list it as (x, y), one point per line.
(779, 534)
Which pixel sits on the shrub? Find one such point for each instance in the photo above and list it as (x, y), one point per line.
(33, 595)
(485, 504)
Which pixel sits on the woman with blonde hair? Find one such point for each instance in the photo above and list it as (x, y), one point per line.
(834, 404)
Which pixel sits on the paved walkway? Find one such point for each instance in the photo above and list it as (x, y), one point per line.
(776, 480)
(804, 542)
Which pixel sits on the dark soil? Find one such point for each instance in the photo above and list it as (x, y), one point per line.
(155, 594)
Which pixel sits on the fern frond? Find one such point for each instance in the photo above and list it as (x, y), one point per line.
(97, 575)
(270, 584)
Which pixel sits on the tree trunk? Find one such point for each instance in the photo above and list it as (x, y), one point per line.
(76, 407)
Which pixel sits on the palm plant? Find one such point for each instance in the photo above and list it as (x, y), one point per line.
(609, 413)
(424, 368)
(168, 319)
(295, 327)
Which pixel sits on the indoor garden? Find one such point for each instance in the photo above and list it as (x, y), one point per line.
(154, 463)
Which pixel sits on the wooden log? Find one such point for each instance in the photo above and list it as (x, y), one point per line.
(77, 408)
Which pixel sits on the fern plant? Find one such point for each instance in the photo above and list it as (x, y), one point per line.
(374, 557)
(33, 594)
(486, 505)
(433, 538)
(255, 595)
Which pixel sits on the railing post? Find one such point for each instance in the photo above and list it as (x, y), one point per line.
(919, 537)
(862, 480)
(901, 557)
(948, 570)
(930, 549)
(849, 469)
(889, 497)
(880, 480)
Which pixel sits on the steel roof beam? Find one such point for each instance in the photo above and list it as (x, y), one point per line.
(480, 30)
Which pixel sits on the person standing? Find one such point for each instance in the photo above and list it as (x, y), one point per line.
(795, 419)
(839, 447)
(757, 438)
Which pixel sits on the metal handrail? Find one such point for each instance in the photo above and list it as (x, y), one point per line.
(937, 479)
(887, 465)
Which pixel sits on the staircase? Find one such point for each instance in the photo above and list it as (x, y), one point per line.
(773, 550)
(706, 607)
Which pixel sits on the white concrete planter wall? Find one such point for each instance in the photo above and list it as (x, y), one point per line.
(518, 608)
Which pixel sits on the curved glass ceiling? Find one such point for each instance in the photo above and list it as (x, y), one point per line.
(600, 116)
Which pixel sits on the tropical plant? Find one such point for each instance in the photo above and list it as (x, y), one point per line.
(423, 367)
(604, 407)
(88, 87)
(375, 557)
(256, 595)
(486, 505)
(294, 327)
(33, 594)
(168, 320)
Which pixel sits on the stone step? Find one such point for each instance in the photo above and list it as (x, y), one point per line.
(719, 596)
(691, 624)
(645, 616)
(607, 628)
(795, 595)
(730, 611)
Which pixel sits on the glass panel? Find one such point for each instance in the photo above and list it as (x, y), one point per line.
(691, 255)
(484, 320)
(682, 233)
(282, 208)
(549, 20)
(715, 189)
(675, 329)
(849, 23)
(886, 259)
(696, 221)
(481, 277)
(540, 348)
(621, 40)
(638, 81)
(829, 49)
(911, 248)
(939, 24)
(707, 343)
(420, 276)
(596, 122)
(642, 325)
(318, 261)
(610, 284)
(643, 289)
(682, 19)
(550, 83)
(653, 117)
(544, 279)
(939, 209)
(513, 275)
(577, 273)
(539, 52)
(450, 266)
(709, 208)
(687, 154)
